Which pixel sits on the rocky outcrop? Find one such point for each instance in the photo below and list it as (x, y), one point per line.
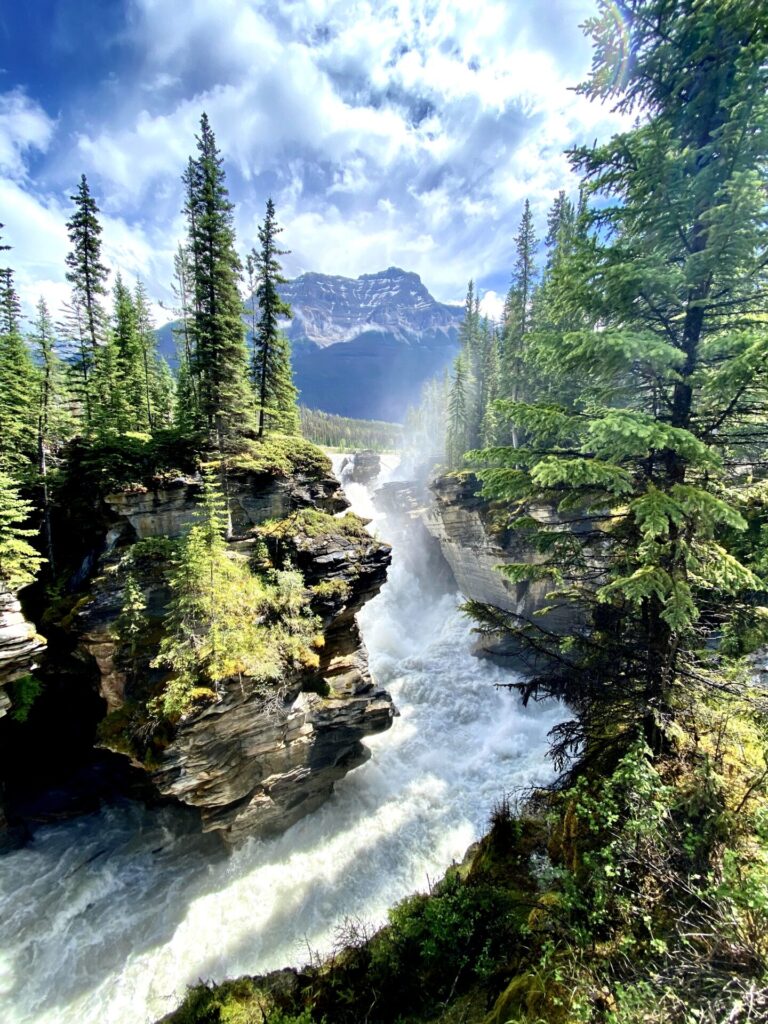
(474, 539)
(169, 509)
(360, 468)
(20, 643)
(20, 649)
(255, 764)
(256, 760)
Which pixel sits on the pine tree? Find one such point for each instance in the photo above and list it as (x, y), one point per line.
(187, 404)
(457, 428)
(517, 318)
(675, 380)
(220, 365)
(55, 423)
(127, 408)
(19, 561)
(17, 383)
(150, 365)
(86, 273)
(272, 375)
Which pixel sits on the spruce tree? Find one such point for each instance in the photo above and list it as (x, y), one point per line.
(18, 378)
(55, 423)
(272, 375)
(129, 410)
(517, 318)
(19, 561)
(86, 273)
(220, 365)
(457, 426)
(644, 471)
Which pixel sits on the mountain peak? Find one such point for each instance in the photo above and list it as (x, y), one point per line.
(330, 309)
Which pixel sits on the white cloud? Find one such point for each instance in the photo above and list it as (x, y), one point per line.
(24, 126)
(492, 305)
(405, 133)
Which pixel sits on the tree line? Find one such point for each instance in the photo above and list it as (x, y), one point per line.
(94, 371)
(332, 431)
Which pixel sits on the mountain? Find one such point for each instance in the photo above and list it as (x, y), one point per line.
(363, 346)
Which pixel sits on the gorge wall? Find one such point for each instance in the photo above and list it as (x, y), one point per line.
(474, 539)
(258, 757)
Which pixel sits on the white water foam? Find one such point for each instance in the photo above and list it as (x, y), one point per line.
(107, 918)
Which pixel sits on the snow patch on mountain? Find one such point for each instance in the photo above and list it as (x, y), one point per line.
(331, 310)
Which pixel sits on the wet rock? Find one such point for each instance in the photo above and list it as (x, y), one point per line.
(474, 538)
(360, 468)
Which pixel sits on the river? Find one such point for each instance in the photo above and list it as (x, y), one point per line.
(105, 919)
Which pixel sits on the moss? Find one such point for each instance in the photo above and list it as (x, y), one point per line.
(332, 590)
(311, 522)
(280, 455)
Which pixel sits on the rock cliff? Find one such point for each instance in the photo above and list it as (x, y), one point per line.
(20, 649)
(474, 539)
(257, 759)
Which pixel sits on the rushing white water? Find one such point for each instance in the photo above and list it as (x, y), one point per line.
(107, 918)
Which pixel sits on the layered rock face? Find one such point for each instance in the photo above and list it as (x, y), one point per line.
(20, 644)
(254, 762)
(474, 542)
(20, 648)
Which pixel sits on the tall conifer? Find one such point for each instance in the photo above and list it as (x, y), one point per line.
(272, 376)
(220, 359)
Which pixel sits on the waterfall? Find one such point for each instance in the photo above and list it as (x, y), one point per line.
(108, 917)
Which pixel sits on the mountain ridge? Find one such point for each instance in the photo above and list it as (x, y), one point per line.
(362, 347)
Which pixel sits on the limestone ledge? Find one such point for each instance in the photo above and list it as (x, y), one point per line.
(169, 509)
(251, 763)
(20, 645)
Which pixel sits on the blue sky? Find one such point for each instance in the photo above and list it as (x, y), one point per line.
(402, 132)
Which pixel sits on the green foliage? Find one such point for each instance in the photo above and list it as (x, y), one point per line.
(224, 622)
(331, 431)
(279, 455)
(24, 692)
(271, 370)
(219, 361)
(19, 561)
(313, 522)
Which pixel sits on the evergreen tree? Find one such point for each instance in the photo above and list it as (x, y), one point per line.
(19, 561)
(17, 383)
(457, 428)
(220, 365)
(86, 273)
(55, 423)
(272, 375)
(187, 403)
(150, 362)
(675, 381)
(517, 318)
(128, 407)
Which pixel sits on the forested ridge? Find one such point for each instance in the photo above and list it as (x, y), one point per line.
(616, 420)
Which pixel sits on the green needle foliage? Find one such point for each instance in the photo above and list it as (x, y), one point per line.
(272, 380)
(19, 561)
(655, 405)
(219, 363)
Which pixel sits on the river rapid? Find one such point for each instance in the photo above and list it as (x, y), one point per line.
(105, 919)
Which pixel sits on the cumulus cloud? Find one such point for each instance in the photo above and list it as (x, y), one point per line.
(406, 132)
(24, 127)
